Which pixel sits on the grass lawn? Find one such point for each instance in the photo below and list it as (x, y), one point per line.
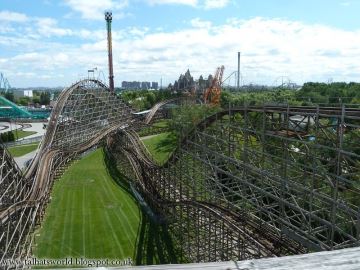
(154, 128)
(18, 151)
(161, 146)
(93, 215)
(161, 124)
(23, 133)
(89, 216)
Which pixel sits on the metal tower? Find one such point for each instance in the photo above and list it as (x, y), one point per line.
(238, 73)
(108, 18)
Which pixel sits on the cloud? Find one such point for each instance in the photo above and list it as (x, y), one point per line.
(198, 23)
(345, 4)
(206, 4)
(12, 16)
(210, 4)
(179, 2)
(94, 10)
(34, 27)
(270, 48)
(48, 27)
(136, 31)
(6, 29)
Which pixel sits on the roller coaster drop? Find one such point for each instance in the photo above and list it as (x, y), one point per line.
(247, 182)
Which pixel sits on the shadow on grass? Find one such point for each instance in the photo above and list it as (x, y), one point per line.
(165, 146)
(168, 144)
(154, 244)
(115, 174)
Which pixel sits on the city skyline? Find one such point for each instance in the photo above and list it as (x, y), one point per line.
(54, 43)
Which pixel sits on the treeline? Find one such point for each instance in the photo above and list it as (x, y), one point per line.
(144, 99)
(39, 97)
(333, 93)
(8, 136)
(310, 94)
(258, 97)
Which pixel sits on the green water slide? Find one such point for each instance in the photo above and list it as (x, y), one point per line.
(9, 109)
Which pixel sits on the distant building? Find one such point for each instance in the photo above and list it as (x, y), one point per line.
(145, 85)
(28, 93)
(155, 85)
(23, 93)
(131, 85)
(139, 85)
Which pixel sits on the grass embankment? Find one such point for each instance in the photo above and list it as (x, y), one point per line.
(161, 145)
(155, 128)
(18, 151)
(93, 215)
(161, 124)
(89, 216)
(22, 134)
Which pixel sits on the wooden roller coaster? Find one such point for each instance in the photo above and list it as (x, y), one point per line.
(235, 188)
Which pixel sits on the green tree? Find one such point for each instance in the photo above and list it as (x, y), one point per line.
(9, 96)
(45, 98)
(11, 136)
(24, 101)
(36, 99)
(151, 98)
(187, 117)
(3, 137)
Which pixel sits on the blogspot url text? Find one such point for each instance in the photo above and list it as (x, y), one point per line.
(67, 262)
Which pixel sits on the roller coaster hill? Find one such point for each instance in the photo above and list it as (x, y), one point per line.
(244, 183)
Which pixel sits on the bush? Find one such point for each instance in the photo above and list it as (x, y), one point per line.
(187, 117)
(11, 136)
(8, 136)
(2, 137)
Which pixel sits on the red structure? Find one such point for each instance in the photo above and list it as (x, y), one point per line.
(213, 93)
(108, 18)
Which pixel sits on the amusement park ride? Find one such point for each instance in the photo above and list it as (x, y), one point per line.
(4, 83)
(237, 186)
(213, 93)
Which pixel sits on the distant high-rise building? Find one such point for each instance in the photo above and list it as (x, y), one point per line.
(131, 85)
(155, 85)
(145, 85)
(139, 85)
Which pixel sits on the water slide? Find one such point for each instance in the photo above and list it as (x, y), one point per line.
(11, 110)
